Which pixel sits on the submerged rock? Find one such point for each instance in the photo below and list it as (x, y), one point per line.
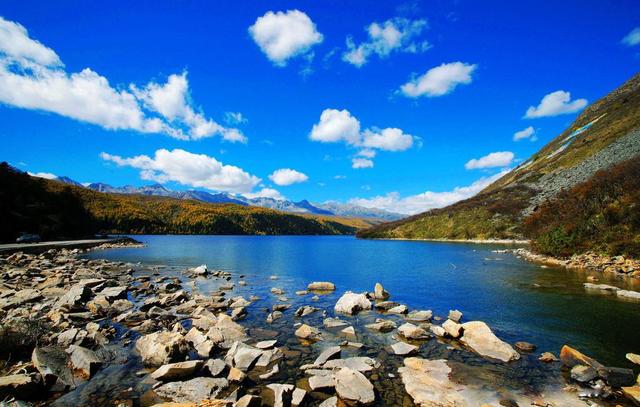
(352, 385)
(419, 316)
(428, 383)
(352, 303)
(479, 337)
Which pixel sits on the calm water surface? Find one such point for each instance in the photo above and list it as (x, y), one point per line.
(519, 300)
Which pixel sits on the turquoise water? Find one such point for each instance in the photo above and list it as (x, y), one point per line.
(519, 300)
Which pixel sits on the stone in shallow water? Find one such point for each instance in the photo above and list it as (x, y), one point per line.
(399, 309)
(178, 370)
(402, 348)
(192, 391)
(321, 286)
(452, 328)
(351, 303)
(380, 293)
(428, 383)
(455, 315)
(411, 331)
(321, 382)
(308, 333)
(632, 357)
(334, 322)
(382, 325)
(332, 352)
(583, 374)
(305, 310)
(419, 316)
(525, 346)
(478, 336)
(571, 357)
(353, 386)
(359, 363)
(548, 357)
(266, 344)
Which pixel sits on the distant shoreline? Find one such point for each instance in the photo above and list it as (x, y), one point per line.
(475, 241)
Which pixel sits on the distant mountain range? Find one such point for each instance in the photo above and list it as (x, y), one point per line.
(330, 208)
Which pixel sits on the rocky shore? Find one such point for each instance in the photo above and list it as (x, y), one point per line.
(77, 331)
(587, 261)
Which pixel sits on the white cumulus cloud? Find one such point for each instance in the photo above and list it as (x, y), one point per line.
(340, 126)
(32, 76)
(393, 35)
(183, 167)
(336, 125)
(283, 35)
(287, 176)
(528, 133)
(358, 163)
(497, 159)
(413, 204)
(554, 104)
(633, 38)
(440, 80)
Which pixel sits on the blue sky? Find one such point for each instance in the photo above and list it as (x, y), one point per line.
(426, 87)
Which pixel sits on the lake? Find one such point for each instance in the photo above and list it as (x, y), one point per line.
(519, 300)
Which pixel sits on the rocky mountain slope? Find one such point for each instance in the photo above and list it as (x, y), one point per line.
(606, 135)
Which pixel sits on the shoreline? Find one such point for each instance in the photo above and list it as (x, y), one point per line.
(474, 241)
(589, 261)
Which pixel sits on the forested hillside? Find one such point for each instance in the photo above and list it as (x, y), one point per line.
(56, 210)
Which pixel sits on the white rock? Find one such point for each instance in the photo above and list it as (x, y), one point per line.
(478, 336)
(354, 386)
(352, 303)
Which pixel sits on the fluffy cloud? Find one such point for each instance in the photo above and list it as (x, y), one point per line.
(358, 163)
(170, 101)
(440, 80)
(340, 126)
(397, 34)
(633, 38)
(46, 175)
(287, 176)
(265, 193)
(195, 170)
(497, 159)
(528, 133)
(413, 204)
(32, 77)
(390, 139)
(284, 35)
(554, 104)
(336, 125)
